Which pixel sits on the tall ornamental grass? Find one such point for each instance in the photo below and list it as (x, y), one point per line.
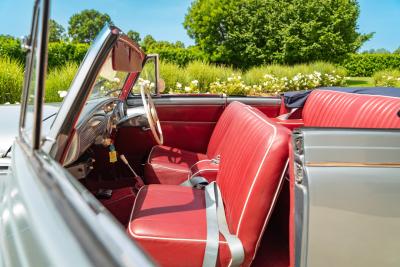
(11, 80)
(200, 77)
(58, 82)
(387, 78)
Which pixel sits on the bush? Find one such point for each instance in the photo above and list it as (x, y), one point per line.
(60, 53)
(10, 47)
(387, 78)
(365, 65)
(178, 55)
(201, 77)
(58, 82)
(11, 80)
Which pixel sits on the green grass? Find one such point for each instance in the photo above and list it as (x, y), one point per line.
(11, 79)
(360, 82)
(59, 79)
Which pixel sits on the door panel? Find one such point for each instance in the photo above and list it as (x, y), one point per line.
(344, 186)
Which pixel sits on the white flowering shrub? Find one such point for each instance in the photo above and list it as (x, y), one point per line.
(387, 78)
(269, 84)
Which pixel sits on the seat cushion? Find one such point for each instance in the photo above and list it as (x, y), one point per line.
(167, 165)
(325, 108)
(169, 222)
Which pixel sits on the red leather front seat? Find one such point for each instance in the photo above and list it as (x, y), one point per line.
(167, 165)
(169, 221)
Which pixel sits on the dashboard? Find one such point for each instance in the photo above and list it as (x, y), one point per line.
(97, 122)
(98, 119)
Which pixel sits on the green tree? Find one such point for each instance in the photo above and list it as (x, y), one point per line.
(148, 41)
(56, 31)
(397, 51)
(135, 36)
(245, 33)
(84, 26)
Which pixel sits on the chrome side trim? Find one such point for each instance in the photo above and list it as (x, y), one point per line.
(354, 164)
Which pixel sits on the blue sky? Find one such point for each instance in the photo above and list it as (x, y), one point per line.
(163, 18)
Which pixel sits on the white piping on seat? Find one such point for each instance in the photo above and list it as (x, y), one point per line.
(203, 160)
(274, 200)
(169, 168)
(259, 169)
(149, 157)
(158, 237)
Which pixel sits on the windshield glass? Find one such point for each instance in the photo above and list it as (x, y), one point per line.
(109, 82)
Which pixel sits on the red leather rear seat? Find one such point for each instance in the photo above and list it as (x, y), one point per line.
(325, 108)
(167, 165)
(169, 221)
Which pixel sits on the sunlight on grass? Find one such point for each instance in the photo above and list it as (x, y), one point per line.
(360, 82)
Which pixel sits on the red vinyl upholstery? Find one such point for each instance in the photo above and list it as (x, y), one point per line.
(325, 108)
(167, 165)
(169, 221)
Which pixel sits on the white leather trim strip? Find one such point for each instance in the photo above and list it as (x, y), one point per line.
(157, 237)
(169, 168)
(274, 200)
(258, 171)
(151, 152)
(203, 160)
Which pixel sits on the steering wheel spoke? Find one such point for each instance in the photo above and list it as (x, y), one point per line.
(151, 113)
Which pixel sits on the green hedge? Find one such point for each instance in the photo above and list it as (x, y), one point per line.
(365, 65)
(60, 53)
(10, 47)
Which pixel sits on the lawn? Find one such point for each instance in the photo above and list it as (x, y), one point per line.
(360, 82)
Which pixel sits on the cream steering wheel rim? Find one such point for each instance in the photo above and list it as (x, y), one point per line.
(151, 114)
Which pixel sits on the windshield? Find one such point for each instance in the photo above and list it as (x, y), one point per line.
(109, 82)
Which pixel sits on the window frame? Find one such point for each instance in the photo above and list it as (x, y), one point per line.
(36, 46)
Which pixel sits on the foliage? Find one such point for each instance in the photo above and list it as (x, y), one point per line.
(135, 36)
(367, 64)
(10, 47)
(11, 79)
(376, 51)
(397, 51)
(61, 53)
(56, 31)
(58, 82)
(199, 77)
(172, 52)
(387, 78)
(84, 26)
(246, 33)
(256, 74)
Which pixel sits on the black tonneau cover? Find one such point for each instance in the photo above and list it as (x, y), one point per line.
(298, 98)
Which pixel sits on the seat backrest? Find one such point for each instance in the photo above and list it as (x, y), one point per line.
(325, 108)
(226, 118)
(253, 157)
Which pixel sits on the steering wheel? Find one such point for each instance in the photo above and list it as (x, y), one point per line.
(151, 114)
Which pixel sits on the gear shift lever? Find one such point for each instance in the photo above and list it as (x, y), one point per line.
(139, 181)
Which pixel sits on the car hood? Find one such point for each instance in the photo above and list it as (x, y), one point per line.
(9, 121)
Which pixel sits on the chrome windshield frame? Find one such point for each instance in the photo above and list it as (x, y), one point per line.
(79, 91)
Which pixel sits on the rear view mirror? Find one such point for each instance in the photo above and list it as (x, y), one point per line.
(126, 57)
